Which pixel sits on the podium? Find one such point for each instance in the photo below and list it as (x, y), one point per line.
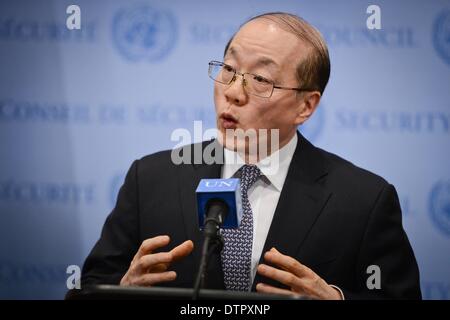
(115, 292)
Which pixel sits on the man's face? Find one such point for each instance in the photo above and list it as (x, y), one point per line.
(261, 47)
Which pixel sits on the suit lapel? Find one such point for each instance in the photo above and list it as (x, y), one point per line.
(301, 202)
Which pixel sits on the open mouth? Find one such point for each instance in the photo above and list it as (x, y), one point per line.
(228, 121)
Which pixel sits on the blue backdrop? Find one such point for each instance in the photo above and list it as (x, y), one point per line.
(78, 106)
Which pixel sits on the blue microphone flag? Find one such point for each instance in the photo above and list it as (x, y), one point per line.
(227, 190)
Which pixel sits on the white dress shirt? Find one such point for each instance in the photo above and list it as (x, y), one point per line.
(264, 194)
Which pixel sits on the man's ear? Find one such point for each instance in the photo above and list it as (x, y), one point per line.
(308, 103)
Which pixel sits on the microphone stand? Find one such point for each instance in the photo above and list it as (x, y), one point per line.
(213, 244)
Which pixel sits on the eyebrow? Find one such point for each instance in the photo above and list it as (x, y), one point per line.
(263, 61)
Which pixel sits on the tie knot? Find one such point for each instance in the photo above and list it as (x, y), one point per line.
(249, 175)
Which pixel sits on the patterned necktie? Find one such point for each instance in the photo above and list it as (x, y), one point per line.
(237, 250)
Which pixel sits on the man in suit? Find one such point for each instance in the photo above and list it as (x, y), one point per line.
(312, 227)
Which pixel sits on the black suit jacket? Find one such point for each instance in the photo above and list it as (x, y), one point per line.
(332, 216)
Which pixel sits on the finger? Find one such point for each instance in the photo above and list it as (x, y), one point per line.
(182, 250)
(281, 276)
(151, 244)
(265, 288)
(150, 279)
(160, 262)
(286, 263)
(147, 262)
(177, 253)
(160, 267)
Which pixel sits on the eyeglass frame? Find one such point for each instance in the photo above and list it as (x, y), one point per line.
(222, 64)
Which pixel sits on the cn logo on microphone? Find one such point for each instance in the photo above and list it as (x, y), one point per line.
(218, 183)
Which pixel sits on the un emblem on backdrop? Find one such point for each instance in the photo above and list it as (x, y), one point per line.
(312, 128)
(441, 35)
(144, 33)
(439, 204)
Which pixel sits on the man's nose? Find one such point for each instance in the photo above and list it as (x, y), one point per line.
(235, 92)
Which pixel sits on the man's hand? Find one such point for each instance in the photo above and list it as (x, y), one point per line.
(302, 280)
(149, 268)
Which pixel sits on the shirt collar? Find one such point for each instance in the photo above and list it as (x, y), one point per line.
(274, 167)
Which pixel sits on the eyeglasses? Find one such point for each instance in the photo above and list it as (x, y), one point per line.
(254, 84)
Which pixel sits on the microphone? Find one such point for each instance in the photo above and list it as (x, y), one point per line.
(224, 191)
(216, 213)
(219, 205)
